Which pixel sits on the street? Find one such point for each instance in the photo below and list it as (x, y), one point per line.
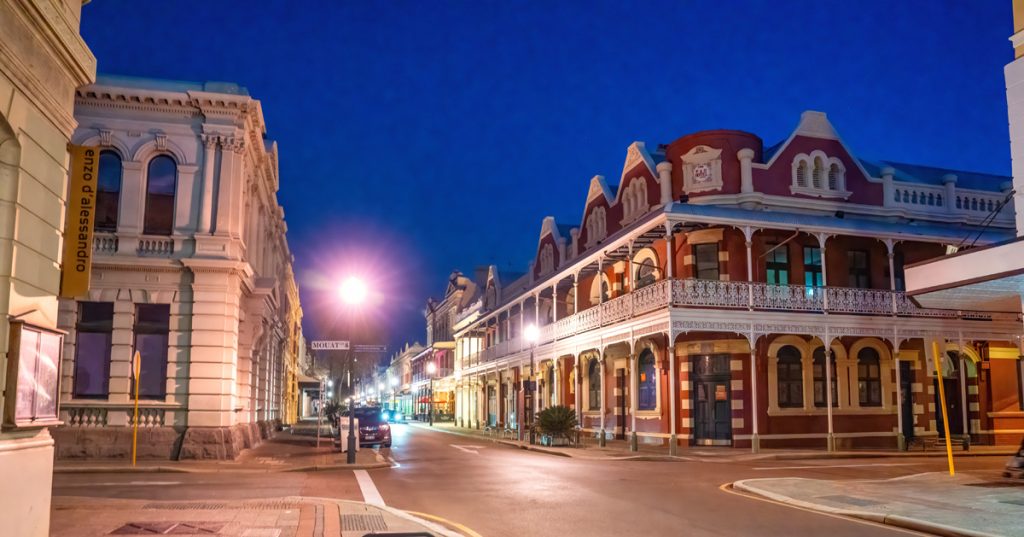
(497, 490)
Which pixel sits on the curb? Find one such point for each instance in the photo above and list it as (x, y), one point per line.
(900, 521)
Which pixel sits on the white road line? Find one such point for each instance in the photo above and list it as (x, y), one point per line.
(836, 466)
(370, 493)
(467, 449)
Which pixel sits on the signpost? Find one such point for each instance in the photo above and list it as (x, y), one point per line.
(136, 373)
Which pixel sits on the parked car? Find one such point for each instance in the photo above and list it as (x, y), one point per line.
(1015, 468)
(373, 428)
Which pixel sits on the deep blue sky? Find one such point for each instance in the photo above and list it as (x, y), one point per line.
(420, 137)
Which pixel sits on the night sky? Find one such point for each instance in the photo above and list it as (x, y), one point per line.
(420, 137)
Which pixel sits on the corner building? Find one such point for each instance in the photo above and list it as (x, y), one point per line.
(191, 268)
(727, 293)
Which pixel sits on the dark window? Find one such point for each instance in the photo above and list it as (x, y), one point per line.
(820, 389)
(812, 267)
(869, 377)
(648, 382)
(897, 265)
(108, 191)
(594, 385)
(92, 348)
(160, 186)
(152, 324)
(777, 265)
(706, 259)
(645, 273)
(790, 378)
(860, 273)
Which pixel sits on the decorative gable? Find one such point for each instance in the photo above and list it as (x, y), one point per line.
(702, 169)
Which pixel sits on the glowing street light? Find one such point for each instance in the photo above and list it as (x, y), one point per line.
(353, 291)
(381, 386)
(532, 333)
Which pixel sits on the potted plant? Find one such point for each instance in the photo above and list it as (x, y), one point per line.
(556, 424)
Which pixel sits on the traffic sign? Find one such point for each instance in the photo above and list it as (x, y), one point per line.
(371, 348)
(330, 345)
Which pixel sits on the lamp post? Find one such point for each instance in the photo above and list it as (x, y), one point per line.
(353, 292)
(532, 334)
(431, 369)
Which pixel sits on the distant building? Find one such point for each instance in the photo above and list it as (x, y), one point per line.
(398, 379)
(42, 60)
(191, 268)
(724, 292)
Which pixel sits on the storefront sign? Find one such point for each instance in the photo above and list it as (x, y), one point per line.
(81, 211)
(330, 345)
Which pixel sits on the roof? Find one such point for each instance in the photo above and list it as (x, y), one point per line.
(930, 175)
(767, 154)
(854, 226)
(123, 81)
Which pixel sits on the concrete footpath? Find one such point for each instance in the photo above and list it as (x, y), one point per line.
(291, 450)
(933, 502)
(293, 516)
(618, 450)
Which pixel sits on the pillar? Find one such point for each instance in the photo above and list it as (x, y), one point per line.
(206, 202)
(634, 387)
(665, 181)
(888, 189)
(673, 380)
(604, 397)
(746, 157)
(949, 183)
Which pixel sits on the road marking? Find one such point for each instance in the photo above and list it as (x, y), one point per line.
(811, 467)
(446, 522)
(468, 448)
(370, 493)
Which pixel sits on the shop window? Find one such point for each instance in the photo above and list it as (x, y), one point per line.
(869, 377)
(152, 325)
(648, 382)
(161, 183)
(790, 375)
(706, 260)
(859, 269)
(93, 335)
(777, 265)
(812, 267)
(818, 373)
(594, 385)
(108, 191)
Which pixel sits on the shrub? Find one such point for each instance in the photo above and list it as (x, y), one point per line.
(556, 421)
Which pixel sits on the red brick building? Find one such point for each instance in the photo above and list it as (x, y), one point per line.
(709, 297)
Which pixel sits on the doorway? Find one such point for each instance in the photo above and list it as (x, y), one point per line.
(907, 399)
(620, 418)
(712, 400)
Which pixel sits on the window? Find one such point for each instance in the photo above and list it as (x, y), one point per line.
(33, 367)
(161, 182)
(645, 273)
(897, 265)
(833, 177)
(801, 173)
(812, 267)
(819, 174)
(108, 191)
(860, 274)
(152, 324)
(594, 385)
(869, 377)
(647, 397)
(94, 331)
(777, 265)
(820, 389)
(706, 259)
(790, 378)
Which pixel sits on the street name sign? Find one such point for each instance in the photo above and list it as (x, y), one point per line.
(371, 348)
(330, 345)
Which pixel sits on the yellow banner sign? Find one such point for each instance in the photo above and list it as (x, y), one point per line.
(77, 265)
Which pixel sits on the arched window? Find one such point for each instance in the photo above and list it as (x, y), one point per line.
(790, 378)
(647, 398)
(645, 273)
(801, 173)
(108, 191)
(819, 173)
(161, 182)
(833, 177)
(869, 377)
(594, 385)
(820, 390)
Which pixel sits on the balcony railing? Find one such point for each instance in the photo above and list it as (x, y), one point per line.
(717, 294)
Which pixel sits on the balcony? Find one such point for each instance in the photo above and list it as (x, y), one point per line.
(752, 296)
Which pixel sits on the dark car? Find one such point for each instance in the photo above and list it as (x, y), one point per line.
(373, 428)
(1015, 468)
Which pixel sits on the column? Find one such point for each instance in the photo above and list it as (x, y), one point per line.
(673, 380)
(604, 396)
(748, 233)
(746, 158)
(829, 354)
(206, 203)
(964, 405)
(901, 441)
(890, 246)
(577, 386)
(230, 184)
(665, 181)
(755, 439)
(670, 252)
(575, 294)
(949, 182)
(634, 387)
(822, 239)
(132, 207)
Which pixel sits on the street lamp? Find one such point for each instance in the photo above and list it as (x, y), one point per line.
(353, 292)
(532, 334)
(431, 369)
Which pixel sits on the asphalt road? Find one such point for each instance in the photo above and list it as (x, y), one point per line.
(501, 491)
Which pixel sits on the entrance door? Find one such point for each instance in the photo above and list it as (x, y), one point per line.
(620, 420)
(492, 406)
(907, 399)
(712, 403)
(953, 409)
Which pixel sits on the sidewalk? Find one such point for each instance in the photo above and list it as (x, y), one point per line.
(934, 502)
(618, 450)
(294, 516)
(292, 450)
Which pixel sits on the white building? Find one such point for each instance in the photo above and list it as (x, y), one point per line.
(191, 268)
(42, 60)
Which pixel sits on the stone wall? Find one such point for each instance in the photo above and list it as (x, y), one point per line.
(161, 443)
